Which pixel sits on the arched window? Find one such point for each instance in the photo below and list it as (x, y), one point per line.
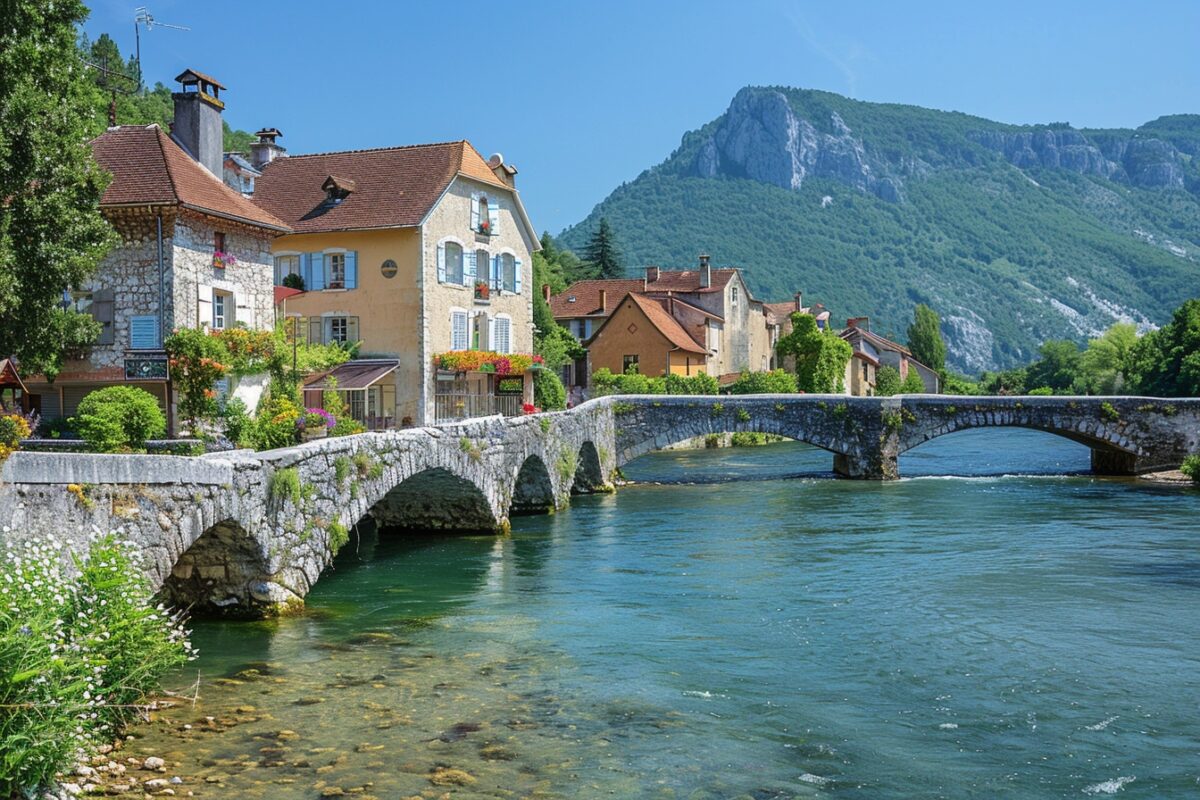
(454, 263)
(484, 219)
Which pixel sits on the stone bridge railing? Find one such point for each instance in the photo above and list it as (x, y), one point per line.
(250, 533)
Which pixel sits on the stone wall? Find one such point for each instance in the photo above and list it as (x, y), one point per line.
(250, 280)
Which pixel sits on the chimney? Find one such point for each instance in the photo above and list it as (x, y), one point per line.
(799, 301)
(197, 125)
(705, 272)
(859, 322)
(265, 150)
(603, 301)
(505, 172)
(651, 274)
(546, 292)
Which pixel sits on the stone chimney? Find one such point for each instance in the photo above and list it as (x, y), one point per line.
(197, 124)
(604, 301)
(651, 274)
(265, 150)
(799, 301)
(705, 272)
(505, 172)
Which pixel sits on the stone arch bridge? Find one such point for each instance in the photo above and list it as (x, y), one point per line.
(249, 533)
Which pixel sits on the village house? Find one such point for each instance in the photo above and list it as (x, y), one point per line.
(415, 252)
(193, 252)
(872, 351)
(668, 322)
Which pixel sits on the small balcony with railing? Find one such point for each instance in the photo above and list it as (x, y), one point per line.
(479, 383)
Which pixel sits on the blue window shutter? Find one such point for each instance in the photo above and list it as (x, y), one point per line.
(306, 269)
(475, 211)
(441, 263)
(318, 272)
(352, 269)
(495, 278)
(493, 216)
(518, 282)
(278, 273)
(143, 332)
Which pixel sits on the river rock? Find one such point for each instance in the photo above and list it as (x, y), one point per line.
(153, 763)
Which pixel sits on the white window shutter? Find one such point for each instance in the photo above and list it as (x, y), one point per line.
(517, 288)
(491, 342)
(441, 263)
(468, 272)
(493, 217)
(241, 311)
(475, 211)
(496, 278)
(204, 297)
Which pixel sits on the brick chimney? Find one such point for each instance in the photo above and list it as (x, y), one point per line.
(546, 292)
(651, 274)
(265, 150)
(705, 272)
(197, 124)
(604, 301)
(799, 301)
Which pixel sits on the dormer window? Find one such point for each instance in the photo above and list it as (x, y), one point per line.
(337, 189)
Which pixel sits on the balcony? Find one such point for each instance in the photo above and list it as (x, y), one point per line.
(451, 406)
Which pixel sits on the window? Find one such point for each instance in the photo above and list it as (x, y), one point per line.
(508, 272)
(502, 343)
(458, 330)
(284, 266)
(733, 294)
(454, 263)
(339, 329)
(484, 223)
(335, 270)
(630, 364)
(483, 266)
(222, 310)
(219, 241)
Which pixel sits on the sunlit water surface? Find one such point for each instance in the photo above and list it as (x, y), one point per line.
(1008, 632)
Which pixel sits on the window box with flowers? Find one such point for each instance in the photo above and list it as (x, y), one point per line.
(315, 423)
(482, 291)
(221, 259)
(485, 228)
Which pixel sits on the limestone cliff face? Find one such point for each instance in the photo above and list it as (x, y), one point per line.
(760, 137)
(1148, 163)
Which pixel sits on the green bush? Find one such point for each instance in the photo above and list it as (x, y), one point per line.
(285, 485)
(76, 656)
(913, 383)
(236, 421)
(119, 418)
(1191, 467)
(549, 394)
(276, 424)
(887, 381)
(1041, 391)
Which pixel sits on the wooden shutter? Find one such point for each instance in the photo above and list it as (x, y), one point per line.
(351, 269)
(493, 216)
(475, 211)
(143, 332)
(102, 312)
(352, 329)
(204, 306)
(441, 263)
(468, 268)
(517, 288)
(318, 272)
(315, 333)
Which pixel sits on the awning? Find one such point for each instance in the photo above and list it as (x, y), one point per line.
(355, 375)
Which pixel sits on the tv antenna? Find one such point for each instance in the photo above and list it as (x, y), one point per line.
(142, 16)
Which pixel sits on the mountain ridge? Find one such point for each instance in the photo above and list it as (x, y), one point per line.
(1015, 233)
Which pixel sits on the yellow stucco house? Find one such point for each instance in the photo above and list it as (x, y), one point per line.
(415, 251)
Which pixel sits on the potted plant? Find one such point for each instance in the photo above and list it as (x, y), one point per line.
(315, 423)
(485, 227)
(221, 259)
(482, 290)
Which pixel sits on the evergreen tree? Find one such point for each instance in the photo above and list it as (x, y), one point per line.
(52, 235)
(925, 338)
(602, 253)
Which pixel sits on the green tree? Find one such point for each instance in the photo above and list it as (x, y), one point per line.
(1058, 367)
(1166, 362)
(925, 338)
(912, 383)
(1106, 364)
(602, 253)
(887, 381)
(820, 356)
(777, 381)
(52, 235)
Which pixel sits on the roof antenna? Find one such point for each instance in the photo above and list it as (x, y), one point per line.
(142, 16)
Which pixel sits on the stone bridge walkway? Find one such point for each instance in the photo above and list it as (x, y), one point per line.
(250, 533)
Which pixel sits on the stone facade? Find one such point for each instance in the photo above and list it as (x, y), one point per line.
(249, 533)
(193, 276)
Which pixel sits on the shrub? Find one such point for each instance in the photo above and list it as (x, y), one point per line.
(293, 281)
(76, 657)
(913, 383)
(197, 361)
(119, 418)
(276, 424)
(777, 381)
(13, 428)
(1191, 467)
(57, 428)
(236, 421)
(1041, 391)
(548, 390)
(285, 485)
(699, 383)
(887, 381)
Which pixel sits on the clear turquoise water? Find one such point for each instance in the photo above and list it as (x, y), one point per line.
(983, 635)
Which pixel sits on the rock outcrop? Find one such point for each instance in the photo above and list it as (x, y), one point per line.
(1144, 162)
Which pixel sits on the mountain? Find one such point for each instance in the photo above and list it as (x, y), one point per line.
(1014, 234)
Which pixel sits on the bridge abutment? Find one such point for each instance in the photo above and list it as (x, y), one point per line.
(878, 466)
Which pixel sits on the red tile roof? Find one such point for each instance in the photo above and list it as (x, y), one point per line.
(393, 187)
(667, 325)
(587, 293)
(782, 311)
(149, 168)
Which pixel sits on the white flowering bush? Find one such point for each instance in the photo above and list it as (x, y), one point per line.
(77, 654)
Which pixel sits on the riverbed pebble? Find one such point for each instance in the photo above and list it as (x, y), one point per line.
(153, 763)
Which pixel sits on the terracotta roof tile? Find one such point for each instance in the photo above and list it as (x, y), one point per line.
(667, 325)
(149, 168)
(587, 292)
(394, 187)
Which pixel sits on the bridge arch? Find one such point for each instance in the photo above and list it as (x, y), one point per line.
(223, 572)
(435, 498)
(533, 490)
(589, 474)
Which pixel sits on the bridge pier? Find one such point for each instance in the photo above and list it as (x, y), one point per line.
(877, 466)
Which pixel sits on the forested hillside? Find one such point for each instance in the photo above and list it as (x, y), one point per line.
(1015, 235)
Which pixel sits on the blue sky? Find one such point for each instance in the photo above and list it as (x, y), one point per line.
(584, 96)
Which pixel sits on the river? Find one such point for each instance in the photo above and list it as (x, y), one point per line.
(717, 632)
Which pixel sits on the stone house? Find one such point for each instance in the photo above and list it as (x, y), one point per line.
(192, 252)
(713, 306)
(872, 351)
(413, 251)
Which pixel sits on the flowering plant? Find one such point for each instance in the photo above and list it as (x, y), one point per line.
(487, 361)
(485, 226)
(222, 259)
(315, 418)
(530, 408)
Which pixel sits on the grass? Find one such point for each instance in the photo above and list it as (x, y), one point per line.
(341, 469)
(338, 536)
(285, 485)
